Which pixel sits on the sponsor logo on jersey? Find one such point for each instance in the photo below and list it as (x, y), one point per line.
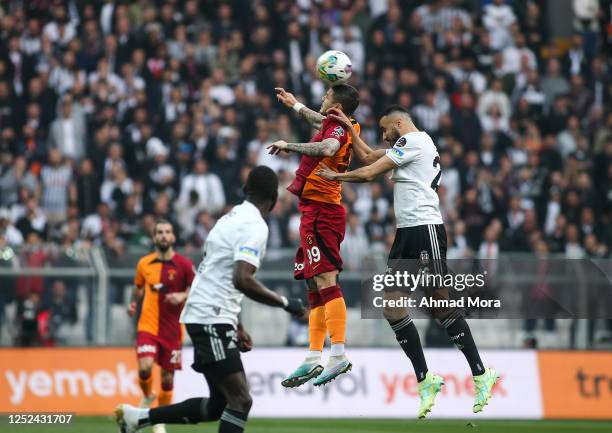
(309, 239)
(397, 152)
(338, 131)
(298, 267)
(159, 287)
(401, 142)
(249, 251)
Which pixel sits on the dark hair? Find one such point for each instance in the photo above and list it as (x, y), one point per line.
(262, 184)
(162, 221)
(347, 96)
(395, 109)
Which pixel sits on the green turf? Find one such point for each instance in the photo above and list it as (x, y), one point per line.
(104, 425)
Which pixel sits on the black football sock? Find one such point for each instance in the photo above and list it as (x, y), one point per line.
(232, 421)
(459, 333)
(408, 338)
(189, 411)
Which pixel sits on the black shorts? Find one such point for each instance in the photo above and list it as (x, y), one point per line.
(417, 247)
(215, 349)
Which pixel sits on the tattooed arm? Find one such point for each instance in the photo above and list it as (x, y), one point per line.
(314, 118)
(327, 147)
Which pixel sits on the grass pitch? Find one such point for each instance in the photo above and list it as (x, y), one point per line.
(82, 424)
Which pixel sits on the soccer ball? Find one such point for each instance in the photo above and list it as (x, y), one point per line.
(334, 67)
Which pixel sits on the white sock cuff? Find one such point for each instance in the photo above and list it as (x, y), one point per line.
(313, 355)
(337, 349)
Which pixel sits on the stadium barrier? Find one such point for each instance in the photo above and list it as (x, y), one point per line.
(533, 385)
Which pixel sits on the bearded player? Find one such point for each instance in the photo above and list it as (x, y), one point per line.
(161, 282)
(415, 163)
(322, 227)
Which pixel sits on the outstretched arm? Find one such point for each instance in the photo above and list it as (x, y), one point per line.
(327, 147)
(314, 118)
(362, 174)
(364, 153)
(244, 280)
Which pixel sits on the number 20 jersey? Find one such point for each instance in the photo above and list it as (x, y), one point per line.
(416, 177)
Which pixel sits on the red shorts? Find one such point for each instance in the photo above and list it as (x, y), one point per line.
(322, 229)
(166, 353)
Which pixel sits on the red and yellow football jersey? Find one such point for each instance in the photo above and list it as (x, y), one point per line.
(310, 186)
(158, 317)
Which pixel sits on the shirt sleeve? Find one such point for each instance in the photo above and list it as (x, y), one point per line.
(139, 279)
(403, 151)
(251, 245)
(335, 130)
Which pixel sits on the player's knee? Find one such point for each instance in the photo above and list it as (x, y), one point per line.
(242, 401)
(144, 371)
(442, 315)
(245, 403)
(167, 383)
(393, 314)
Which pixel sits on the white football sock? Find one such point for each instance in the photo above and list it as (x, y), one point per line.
(337, 349)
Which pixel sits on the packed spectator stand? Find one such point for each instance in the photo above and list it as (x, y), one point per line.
(115, 113)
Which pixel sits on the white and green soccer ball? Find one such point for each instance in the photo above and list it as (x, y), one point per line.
(334, 67)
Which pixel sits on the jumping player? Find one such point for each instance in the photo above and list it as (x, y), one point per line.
(233, 251)
(322, 227)
(161, 282)
(420, 233)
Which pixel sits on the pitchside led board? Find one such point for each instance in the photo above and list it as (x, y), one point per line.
(533, 385)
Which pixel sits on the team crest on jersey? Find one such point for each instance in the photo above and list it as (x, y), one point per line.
(424, 257)
(338, 131)
(309, 239)
(171, 274)
(401, 142)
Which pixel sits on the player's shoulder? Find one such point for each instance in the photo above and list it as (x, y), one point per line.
(146, 259)
(333, 127)
(248, 213)
(257, 226)
(182, 260)
(247, 219)
(413, 139)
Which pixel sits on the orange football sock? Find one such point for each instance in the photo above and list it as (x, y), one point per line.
(146, 385)
(335, 313)
(165, 398)
(317, 328)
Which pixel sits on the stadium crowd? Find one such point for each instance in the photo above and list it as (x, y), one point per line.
(114, 113)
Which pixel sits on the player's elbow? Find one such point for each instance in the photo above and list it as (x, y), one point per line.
(369, 176)
(240, 281)
(370, 159)
(329, 151)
